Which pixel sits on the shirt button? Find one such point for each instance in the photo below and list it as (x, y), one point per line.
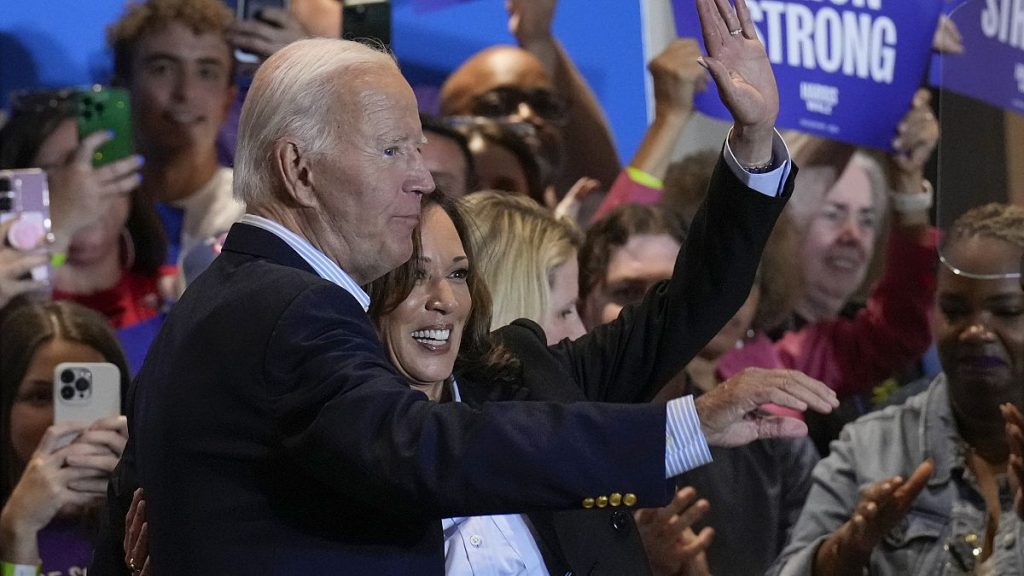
(476, 541)
(1008, 541)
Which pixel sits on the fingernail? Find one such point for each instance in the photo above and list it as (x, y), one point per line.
(703, 64)
(140, 159)
(111, 133)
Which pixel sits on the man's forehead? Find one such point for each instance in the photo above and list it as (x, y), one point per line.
(503, 68)
(177, 40)
(643, 257)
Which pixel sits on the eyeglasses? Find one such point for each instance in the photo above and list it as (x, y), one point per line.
(505, 101)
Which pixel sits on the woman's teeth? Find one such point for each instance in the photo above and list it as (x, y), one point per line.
(432, 337)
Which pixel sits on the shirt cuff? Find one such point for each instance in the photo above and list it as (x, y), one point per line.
(685, 446)
(767, 183)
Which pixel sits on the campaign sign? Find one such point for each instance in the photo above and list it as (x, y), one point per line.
(846, 69)
(991, 68)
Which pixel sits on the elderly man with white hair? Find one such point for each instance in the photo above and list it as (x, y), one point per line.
(269, 430)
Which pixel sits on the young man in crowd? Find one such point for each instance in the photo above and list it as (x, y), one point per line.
(175, 59)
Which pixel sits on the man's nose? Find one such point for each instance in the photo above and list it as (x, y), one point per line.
(419, 179)
(525, 113)
(184, 85)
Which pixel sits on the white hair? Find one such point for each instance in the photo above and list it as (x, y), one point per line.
(292, 96)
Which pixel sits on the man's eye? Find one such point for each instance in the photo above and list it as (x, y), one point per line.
(209, 73)
(158, 69)
(391, 152)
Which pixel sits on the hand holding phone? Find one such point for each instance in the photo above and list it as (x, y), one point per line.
(262, 28)
(80, 193)
(25, 214)
(102, 109)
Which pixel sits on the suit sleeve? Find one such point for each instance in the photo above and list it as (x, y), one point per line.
(351, 425)
(631, 358)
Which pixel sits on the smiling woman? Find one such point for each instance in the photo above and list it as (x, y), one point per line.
(435, 307)
(951, 438)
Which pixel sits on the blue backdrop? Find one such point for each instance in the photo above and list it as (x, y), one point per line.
(53, 43)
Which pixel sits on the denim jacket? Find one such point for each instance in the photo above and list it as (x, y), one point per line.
(946, 521)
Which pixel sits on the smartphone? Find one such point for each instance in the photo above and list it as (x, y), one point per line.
(86, 391)
(367, 20)
(25, 195)
(248, 10)
(101, 108)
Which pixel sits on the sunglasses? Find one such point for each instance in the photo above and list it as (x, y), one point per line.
(505, 101)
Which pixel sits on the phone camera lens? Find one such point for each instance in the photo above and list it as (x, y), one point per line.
(82, 384)
(67, 376)
(5, 184)
(67, 392)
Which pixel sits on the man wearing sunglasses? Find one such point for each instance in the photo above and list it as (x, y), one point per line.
(537, 84)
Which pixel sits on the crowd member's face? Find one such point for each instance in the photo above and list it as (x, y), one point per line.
(447, 164)
(181, 88)
(561, 319)
(424, 332)
(840, 240)
(510, 84)
(632, 269)
(32, 410)
(98, 239)
(980, 328)
(369, 184)
(497, 167)
(735, 329)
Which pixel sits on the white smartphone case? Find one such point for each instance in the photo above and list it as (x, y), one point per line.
(86, 391)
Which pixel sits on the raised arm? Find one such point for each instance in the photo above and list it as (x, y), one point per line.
(588, 137)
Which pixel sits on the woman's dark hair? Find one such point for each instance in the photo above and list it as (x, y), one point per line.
(508, 136)
(478, 350)
(27, 324)
(35, 116)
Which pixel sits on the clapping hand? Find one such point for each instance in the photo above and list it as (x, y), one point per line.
(672, 546)
(882, 505)
(1015, 467)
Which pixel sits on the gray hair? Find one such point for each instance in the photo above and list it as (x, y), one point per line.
(292, 96)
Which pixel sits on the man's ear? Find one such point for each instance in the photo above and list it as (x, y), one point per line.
(295, 174)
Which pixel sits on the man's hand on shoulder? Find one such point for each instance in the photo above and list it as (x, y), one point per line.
(731, 415)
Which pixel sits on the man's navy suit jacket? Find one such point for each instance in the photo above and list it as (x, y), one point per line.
(272, 435)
